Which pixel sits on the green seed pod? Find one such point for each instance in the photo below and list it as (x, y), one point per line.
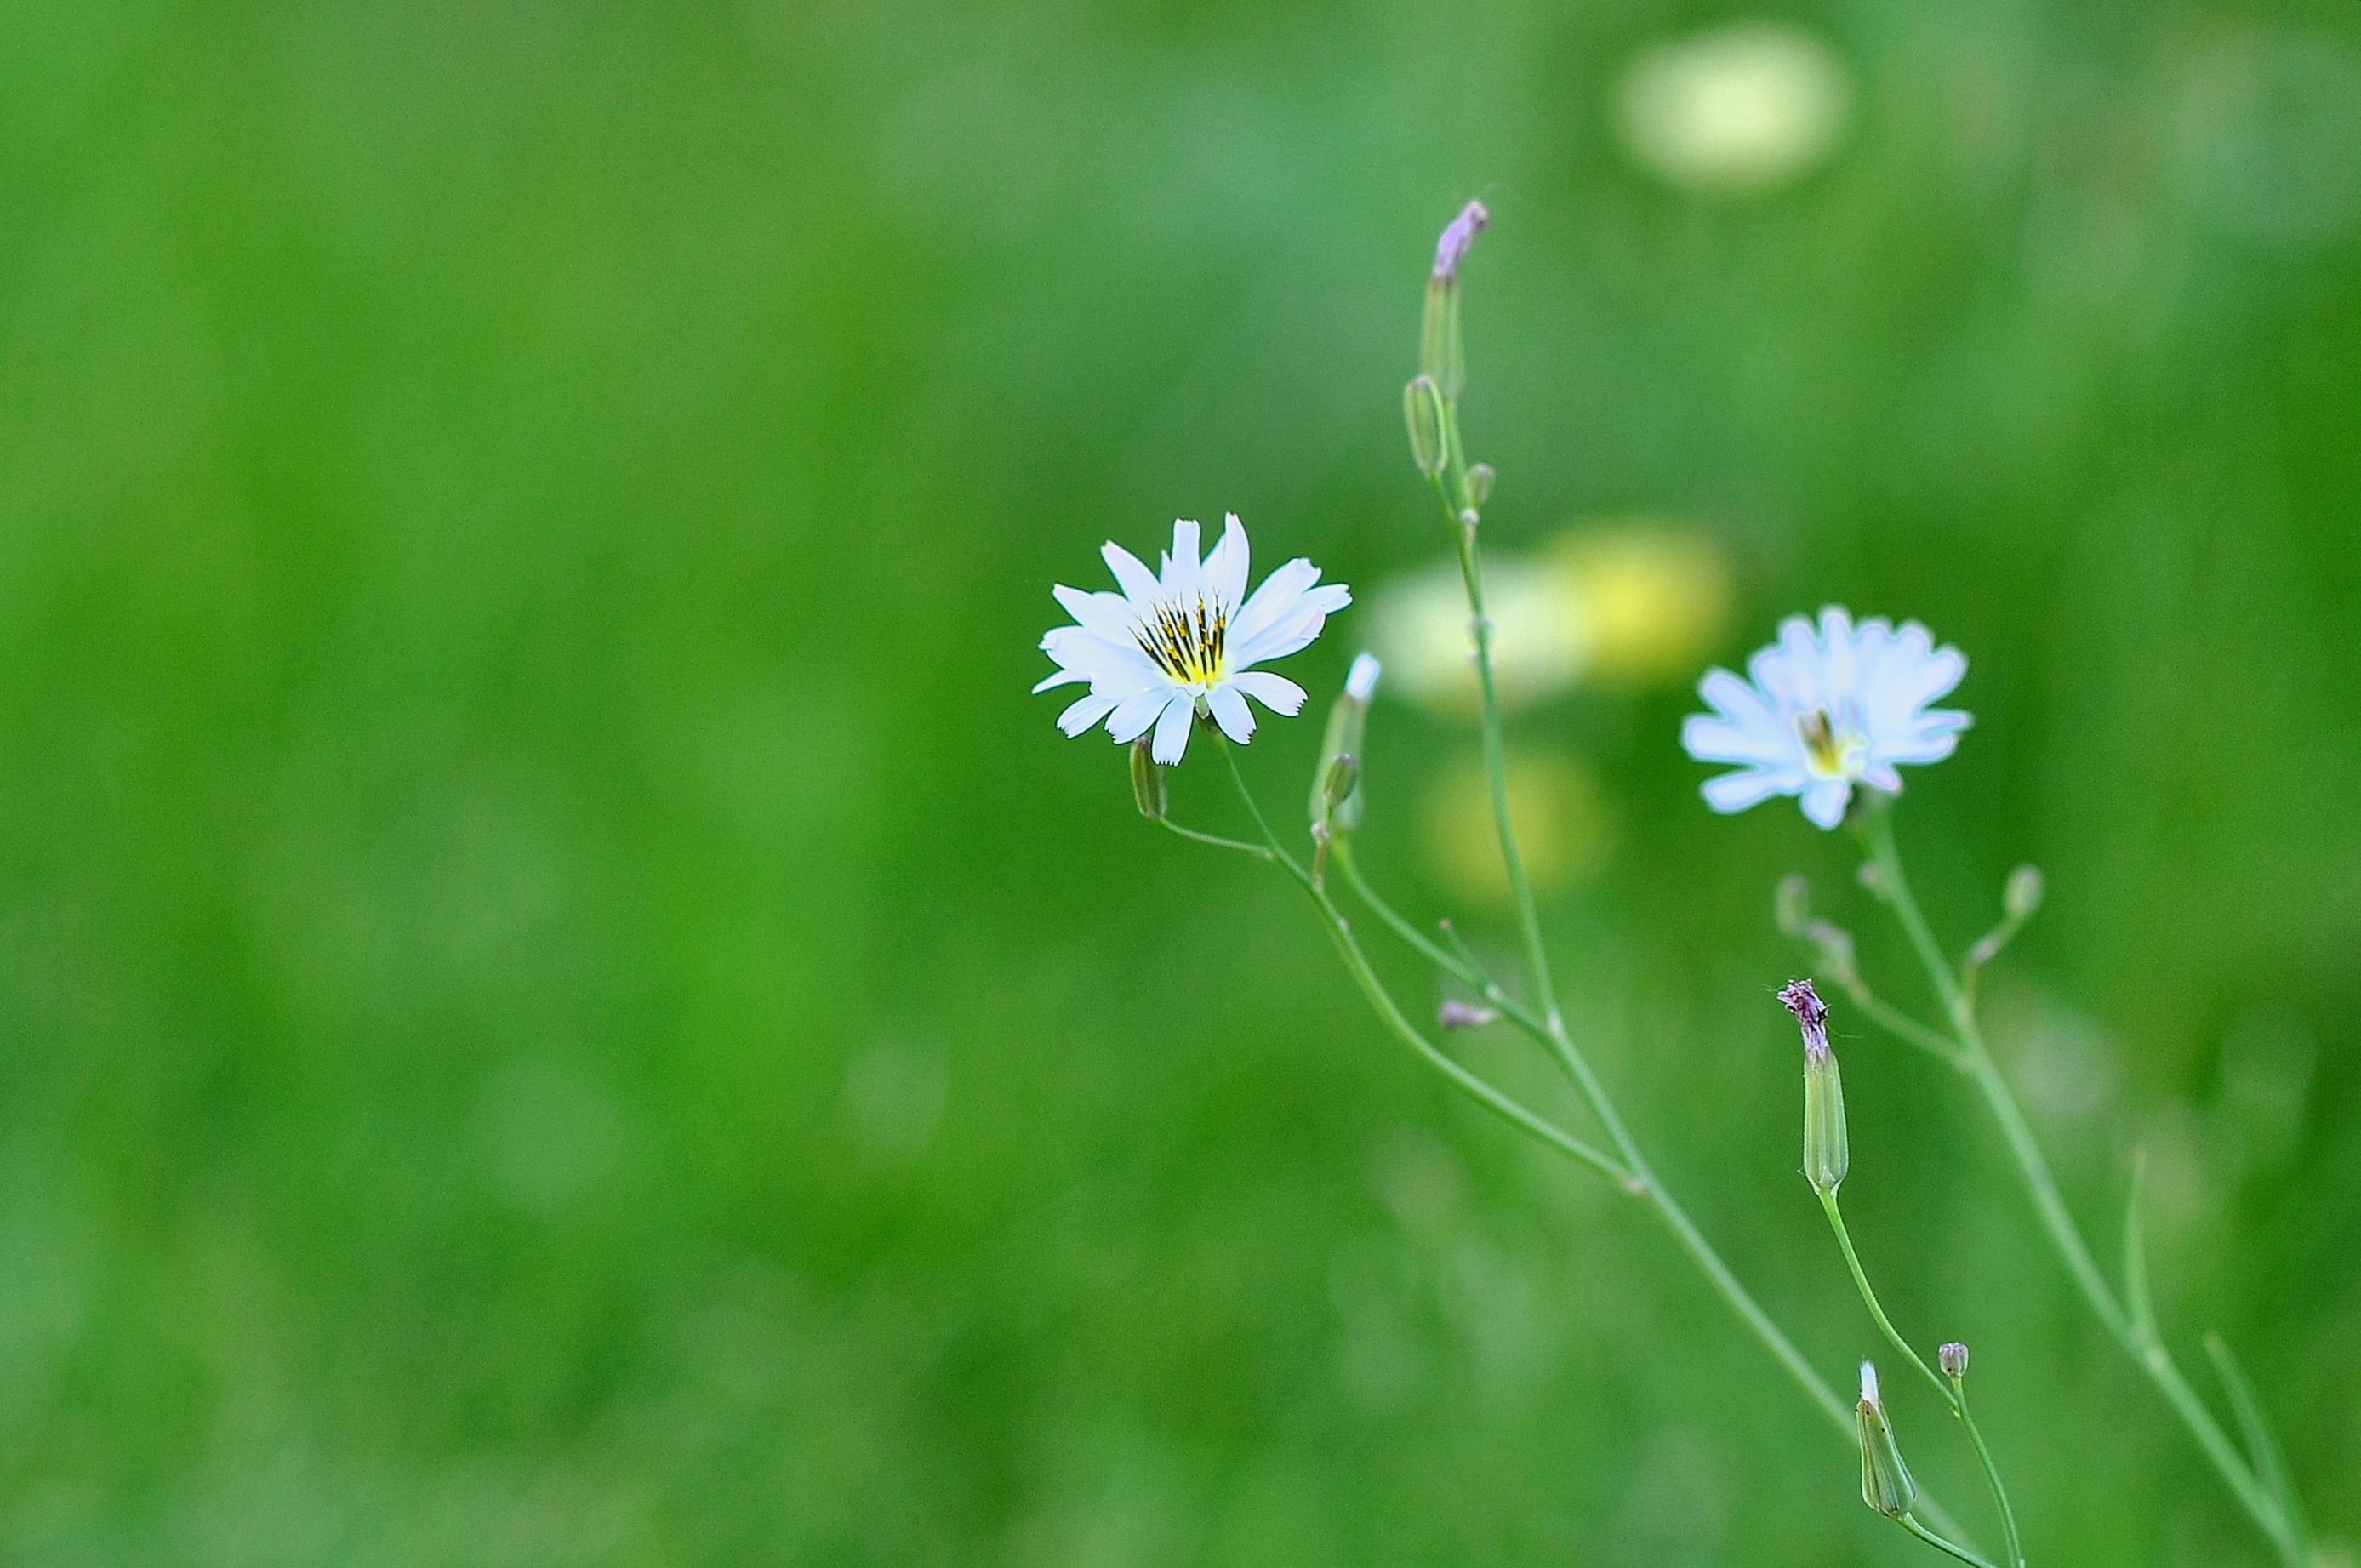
(1423, 410)
(1146, 781)
(1885, 1483)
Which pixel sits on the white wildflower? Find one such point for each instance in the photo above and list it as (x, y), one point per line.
(1184, 640)
(1827, 710)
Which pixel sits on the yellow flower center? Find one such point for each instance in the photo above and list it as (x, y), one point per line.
(1186, 640)
(1829, 754)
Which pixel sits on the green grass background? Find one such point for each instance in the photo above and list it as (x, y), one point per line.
(561, 1005)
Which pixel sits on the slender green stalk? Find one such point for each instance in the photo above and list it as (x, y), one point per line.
(1459, 509)
(1900, 1025)
(1940, 1544)
(1991, 1471)
(1257, 850)
(1953, 1391)
(1357, 963)
(1869, 1299)
(2146, 1349)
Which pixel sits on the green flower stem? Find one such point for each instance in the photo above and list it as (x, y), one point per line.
(1258, 851)
(1992, 1472)
(1357, 964)
(1452, 487)
(2146, 1350)
(1869, 1299)
(1952, 1389)
(1453, 964)
(1939, 1543)
(1900, 1025)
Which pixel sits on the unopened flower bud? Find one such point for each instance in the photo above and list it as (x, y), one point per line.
(1479, 483)
(1872, 879)
(1792, 905)
(1886, 1483)
(1457, 1014)
(1827, 1156)
(1337, 784)
(2023, 894)
(1146, 781)
(1953, 1359)
(1422, 412)
(1335, 804)
(1441, 358)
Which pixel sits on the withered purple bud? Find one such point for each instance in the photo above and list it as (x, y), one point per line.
(1457, 1014)
(1452, 248)
(1811, 1016)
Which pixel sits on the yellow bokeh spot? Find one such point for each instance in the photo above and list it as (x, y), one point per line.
(1652, 596)
(1565, 825)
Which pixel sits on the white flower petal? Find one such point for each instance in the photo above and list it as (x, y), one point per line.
(1824, 801)
(1085, 713)
(1295, 631)
(1231, 712)
(1275, 598)
(1172, 729)
(1134, 714)
(1182, 568)
(1225, 568)
(1137, 583)
(1275, 693)
(1109, 616)
(1062, 678)
(1736, 792)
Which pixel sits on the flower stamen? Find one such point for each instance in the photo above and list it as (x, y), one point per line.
(1186, 640)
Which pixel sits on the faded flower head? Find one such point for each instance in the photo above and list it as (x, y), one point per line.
(1452, 248)
(1827, 709)
(1811, 1014)
(1184, 640)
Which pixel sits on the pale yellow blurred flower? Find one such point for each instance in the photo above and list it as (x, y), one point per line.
(1626, 603)
(1418, 625)
(1738, 109)
(1564, 824)
(1652, 596)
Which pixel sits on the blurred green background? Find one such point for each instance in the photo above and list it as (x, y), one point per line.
(562, 1004)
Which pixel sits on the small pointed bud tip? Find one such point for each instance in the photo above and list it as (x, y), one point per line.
(1869, 1383)
(1953, 1359)
(1480, 478)
(2023, 892)
(1792, 905)
(1361, 680)
(1457, 1014)
(1452, 248)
